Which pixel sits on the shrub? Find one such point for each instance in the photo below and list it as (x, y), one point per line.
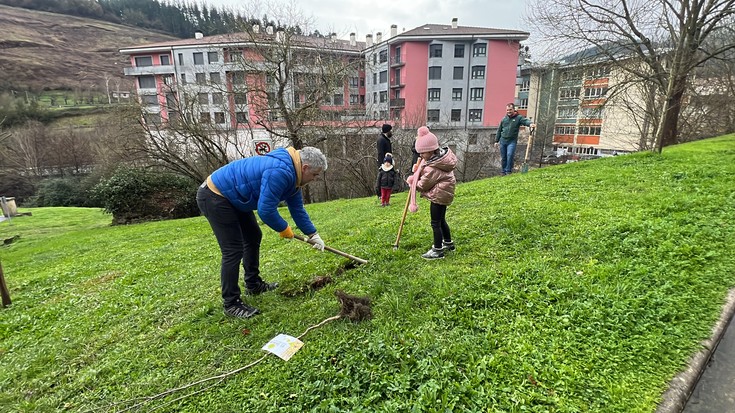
(135, 195)
(68, 191)
(18, 186)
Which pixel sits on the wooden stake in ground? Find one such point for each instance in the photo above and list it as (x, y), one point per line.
(4, 288)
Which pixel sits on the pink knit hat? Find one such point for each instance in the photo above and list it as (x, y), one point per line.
(427, 141)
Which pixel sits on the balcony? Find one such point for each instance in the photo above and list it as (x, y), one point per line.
(396, 61)
(398, 103)
(148, 70)
(394, 84)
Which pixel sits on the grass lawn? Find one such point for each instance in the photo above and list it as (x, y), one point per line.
(576, 288)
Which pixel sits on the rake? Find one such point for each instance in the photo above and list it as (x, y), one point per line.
(524, 167)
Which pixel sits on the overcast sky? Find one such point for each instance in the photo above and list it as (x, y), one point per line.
(371, 16)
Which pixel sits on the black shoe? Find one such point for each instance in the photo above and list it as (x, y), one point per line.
(241, 310)
(261, 288)
(448, 246)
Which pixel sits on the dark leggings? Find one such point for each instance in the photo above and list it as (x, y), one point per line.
(439, 224)
(238, 235)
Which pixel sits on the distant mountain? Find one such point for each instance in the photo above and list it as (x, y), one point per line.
(46, 51)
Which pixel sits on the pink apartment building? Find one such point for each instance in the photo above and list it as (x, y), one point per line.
(449, 77)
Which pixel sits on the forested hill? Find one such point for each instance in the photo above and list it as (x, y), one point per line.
(177, 18)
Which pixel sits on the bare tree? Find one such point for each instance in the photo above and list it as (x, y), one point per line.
(669, 38)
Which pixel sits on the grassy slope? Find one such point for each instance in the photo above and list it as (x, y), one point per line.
(582, 287)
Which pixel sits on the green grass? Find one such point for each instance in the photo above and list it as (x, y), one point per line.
(577, 288)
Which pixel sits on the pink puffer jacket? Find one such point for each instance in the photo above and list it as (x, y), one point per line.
(436, 180)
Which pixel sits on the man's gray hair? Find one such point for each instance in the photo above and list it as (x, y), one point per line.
(314, 158)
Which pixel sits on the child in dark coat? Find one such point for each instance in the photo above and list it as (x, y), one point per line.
(386, 180)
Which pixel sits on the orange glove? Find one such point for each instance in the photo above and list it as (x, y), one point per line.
(286, 233)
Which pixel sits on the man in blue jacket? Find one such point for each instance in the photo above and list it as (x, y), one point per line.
(230, 195)
(507, 136)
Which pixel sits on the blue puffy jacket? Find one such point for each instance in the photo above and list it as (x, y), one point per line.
(260, 183)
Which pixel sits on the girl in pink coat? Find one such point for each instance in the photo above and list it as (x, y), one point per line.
(434, 179)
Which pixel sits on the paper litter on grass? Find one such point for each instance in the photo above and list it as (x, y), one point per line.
(283, 346)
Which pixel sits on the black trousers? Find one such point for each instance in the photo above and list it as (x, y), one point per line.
(239, 236)
(439, 224)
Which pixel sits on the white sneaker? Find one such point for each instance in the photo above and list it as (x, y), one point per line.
(433, 254)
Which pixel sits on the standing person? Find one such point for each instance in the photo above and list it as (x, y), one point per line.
(228, 198)
(434, 178)
(386, 180)
(507, 136)
(384, 144)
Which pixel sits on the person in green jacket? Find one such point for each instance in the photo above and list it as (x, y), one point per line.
(507, 136)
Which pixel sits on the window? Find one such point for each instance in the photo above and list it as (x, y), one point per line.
(597, 72)
(435, 72)
(147, 82)
(238, 78)
(362, 81)
(397, 55)
(458, 50)
(214, 77)
(149, 100)
(478, 72)
(472, 138)
(477, 93)
(595, 92)
(241, 117)
(564, 130)
(397, 77)
(235, 55)
(383, 96)
(217, 98)
(432, 115)
(375, 78)
(152, 118)
(522, 103)
(590, 130)
(168, 80)
(219, 117)
(375, 97)
(435, 50)
(567, 112)
(384, 76)
(213, 57)
(204, 117)
(198, 58)
(435, 94)
(241, 99)
(571, 75)
(354, 81)
(456, 115)
(479, 50)
(338, 99)
(181, 59)
(383, 56)
(200, 78)
(183, 79)
(457, 93)
(375, 59)
(202, 98)
(525, 85)
(354, 99)
(458, 73)
(569, 93)
(165, 60)
(593, 113)
(475, 115)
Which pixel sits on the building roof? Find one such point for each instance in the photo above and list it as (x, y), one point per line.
(437, 30)
(240, 38)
